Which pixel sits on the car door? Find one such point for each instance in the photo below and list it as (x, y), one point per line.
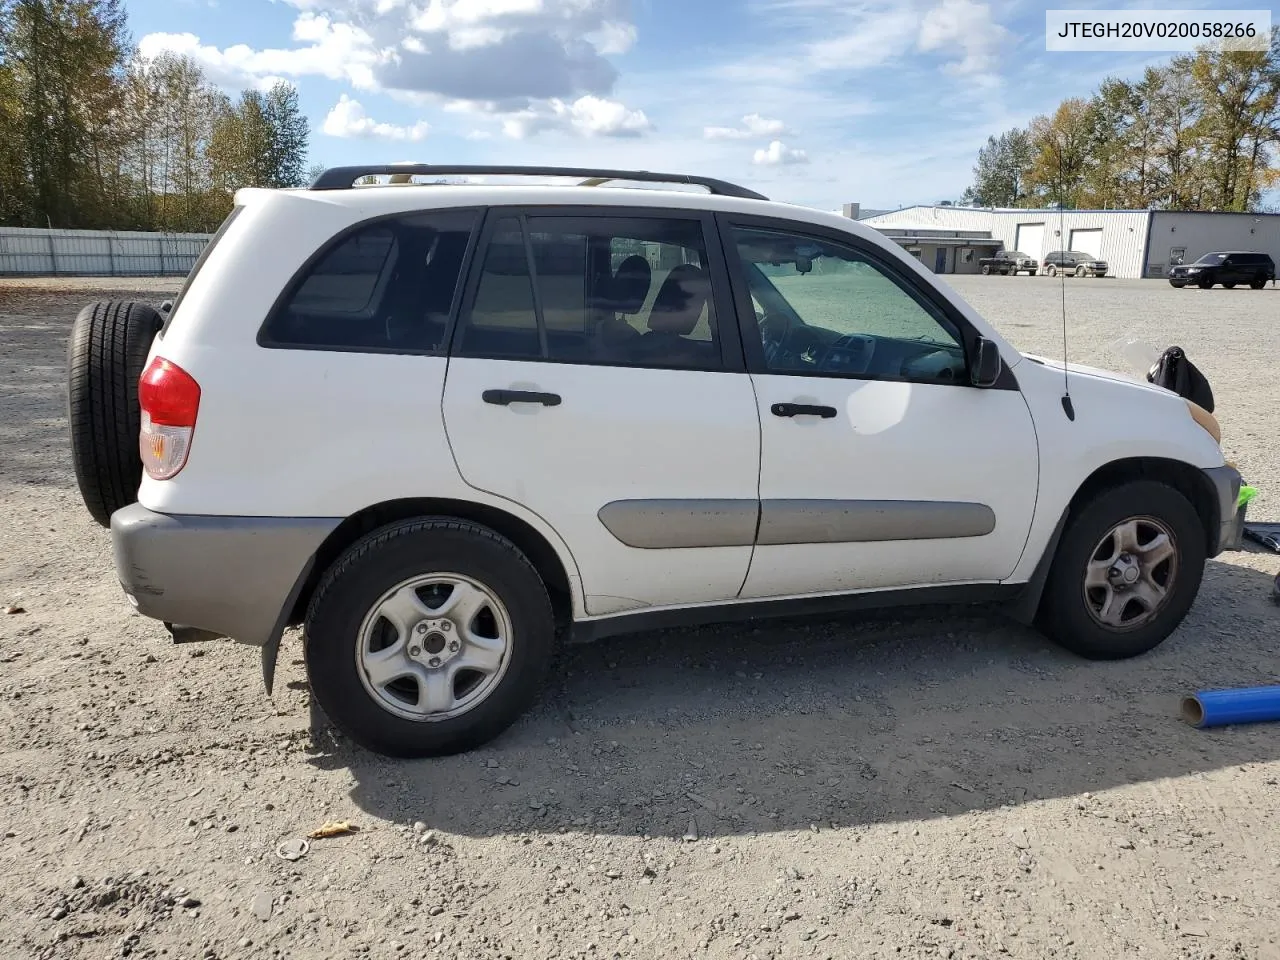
(881, 466)
(596, 377)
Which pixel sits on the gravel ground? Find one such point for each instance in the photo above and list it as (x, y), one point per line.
(941, 787)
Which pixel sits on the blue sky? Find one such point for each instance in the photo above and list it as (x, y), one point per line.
(816, 102)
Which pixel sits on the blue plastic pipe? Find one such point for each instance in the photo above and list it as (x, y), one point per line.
(1217, 708)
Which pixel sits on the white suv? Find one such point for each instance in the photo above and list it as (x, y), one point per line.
(444, 426)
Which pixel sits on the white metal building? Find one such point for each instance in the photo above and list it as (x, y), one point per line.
(1135, 243)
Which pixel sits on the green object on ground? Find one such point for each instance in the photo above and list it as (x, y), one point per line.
(1246, 494)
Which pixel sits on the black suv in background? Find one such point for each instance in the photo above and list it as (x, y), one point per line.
(1228, 269)
(1009, 263)
(1074, 264)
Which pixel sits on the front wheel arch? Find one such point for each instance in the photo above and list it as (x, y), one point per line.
(1188, 480)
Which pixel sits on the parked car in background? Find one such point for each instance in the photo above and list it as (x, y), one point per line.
(1009, 263)
(1074, 264)
(1227, 268)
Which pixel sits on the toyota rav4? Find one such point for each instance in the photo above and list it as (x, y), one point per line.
(445, 426)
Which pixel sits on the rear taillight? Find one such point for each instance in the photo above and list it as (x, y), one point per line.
(169, 398)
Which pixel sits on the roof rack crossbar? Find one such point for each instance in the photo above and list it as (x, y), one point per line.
(343, 178)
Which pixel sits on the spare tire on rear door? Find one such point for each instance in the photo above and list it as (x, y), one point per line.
(105, 357)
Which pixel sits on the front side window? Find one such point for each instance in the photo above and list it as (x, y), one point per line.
(628, 291)
(388, 285)
(826, 308)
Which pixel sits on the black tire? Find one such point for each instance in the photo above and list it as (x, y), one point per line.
(1065, 616)
(106, 354)
(1177, 285)
(1257, 283)
(1051, 271)
(986, 270)
(1230, 286)
(375, 564)
(1204, 284)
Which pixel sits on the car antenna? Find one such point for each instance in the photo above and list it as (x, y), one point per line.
(1067, 406)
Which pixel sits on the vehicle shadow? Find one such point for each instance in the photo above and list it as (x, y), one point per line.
(762, 727)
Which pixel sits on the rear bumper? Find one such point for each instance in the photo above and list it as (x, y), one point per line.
(1226, 482)
(234, 577)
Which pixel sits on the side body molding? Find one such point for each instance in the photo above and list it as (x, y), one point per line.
(671, 523)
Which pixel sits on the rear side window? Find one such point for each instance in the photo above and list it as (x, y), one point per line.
(630, 291)
(386, 286)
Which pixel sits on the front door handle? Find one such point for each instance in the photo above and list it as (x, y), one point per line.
(802, 410)
(504, 397)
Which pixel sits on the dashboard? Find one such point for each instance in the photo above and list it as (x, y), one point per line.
(807, 349)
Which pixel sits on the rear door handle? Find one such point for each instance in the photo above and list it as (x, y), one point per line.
(504, 397)
(802, 410)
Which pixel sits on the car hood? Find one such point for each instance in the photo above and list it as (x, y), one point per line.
(1096, 373)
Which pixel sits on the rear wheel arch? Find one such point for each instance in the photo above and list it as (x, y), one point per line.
(544, 557)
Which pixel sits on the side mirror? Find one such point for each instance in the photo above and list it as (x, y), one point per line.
(987, 364)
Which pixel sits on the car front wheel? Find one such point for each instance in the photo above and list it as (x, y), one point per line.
(428, 637)
(1051, 270)
(1128, 569)
(1257, 283)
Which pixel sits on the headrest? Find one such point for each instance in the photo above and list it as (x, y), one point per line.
(679, 303)
(630, 285)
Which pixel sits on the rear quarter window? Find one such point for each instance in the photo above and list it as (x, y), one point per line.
(384, 286)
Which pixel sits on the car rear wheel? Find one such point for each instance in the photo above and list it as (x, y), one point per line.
(1051, 270)
(1128, 569)
(106, 354)
(1230, 286)
(428, 637)
(1179, 284)
(986, 270)
(1257, 283)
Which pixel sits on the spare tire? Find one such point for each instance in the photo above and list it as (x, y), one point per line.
(106, 354)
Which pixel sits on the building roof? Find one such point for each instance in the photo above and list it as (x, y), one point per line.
(1048, 211)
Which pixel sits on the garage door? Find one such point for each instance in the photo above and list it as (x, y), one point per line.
(1030, 239)
(1087, 241)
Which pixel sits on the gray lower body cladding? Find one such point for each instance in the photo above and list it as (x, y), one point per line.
(1226, 481)
(231, 576)
(670, 524)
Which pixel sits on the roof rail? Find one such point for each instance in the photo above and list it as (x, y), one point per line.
(343, 178)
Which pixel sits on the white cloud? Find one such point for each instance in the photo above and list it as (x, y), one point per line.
(778, 154)
(338, 51)
(348, 119)
(753, 125)
(967, 25)
(513, 54)
(589, 116)
(853, 35)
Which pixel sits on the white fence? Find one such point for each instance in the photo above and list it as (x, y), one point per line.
(97, 253)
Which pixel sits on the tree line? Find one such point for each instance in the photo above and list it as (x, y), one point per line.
(94, 136)
(1199, 133)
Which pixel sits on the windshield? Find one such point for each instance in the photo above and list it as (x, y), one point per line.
(1211, 259)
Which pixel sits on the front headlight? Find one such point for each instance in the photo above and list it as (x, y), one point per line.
(1193, 269)
(1206, 419)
